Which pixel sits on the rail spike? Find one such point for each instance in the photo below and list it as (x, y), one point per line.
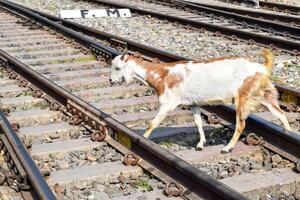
(3, 61)
(173, 190)
(253, 140)
(298, 166)
(55, 106)
(130, 159)
(75, 120)
(38, 93)
(213, 119)
(98, 136)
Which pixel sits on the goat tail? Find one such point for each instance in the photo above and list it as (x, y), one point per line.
(268, 56)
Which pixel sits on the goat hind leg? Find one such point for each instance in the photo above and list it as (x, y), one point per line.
(273, 106)
(241, 115)
(198, 121)
(240, 125)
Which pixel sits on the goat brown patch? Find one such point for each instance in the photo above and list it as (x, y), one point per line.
(157, 84)
(172, 80)
(245, 90)
(161, 70)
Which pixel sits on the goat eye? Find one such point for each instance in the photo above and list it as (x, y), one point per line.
(117, 68)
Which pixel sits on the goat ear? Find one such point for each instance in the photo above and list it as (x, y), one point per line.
(123, 55)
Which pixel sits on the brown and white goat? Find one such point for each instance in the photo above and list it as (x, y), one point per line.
(211, 82)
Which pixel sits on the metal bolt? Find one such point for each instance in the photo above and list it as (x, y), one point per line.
(98, 136)
(173, 190)
(13, 75)
(75, 120)
(55, 106)
(23, 83)
(130, 159)
(253, 140)
(298, 166)
(38, 93)
(15, 126)
(213, 119)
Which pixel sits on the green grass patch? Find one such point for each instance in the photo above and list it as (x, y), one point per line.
(25, 93)
(144, 185)
(275, 78)
(166, 144)
(80, 59)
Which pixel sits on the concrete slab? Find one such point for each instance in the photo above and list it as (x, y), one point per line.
(6, 82)
(111, 92)
(255, 185)
(52, 68)
(80, 84)
(213, 153)
(270, 117)
(56, 59)
(106, 172)
(28, 43)
(71, 75)
(60, 129)
(153, 195)
(44, 52)
(11, 90)
(35, 117)
(63, 147)
(23, 102)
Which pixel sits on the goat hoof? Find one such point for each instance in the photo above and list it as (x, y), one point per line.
(224, 151)
(199, 148)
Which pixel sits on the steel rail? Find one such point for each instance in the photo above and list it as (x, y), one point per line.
(254, 13)
(286, 45)
(293, 32)
(37, 181)
(276, 6)
(149, 52)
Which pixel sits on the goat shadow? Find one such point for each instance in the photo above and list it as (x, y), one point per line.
(188, 136)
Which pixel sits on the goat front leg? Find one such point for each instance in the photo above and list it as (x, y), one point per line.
(198, 121)
(161, 115)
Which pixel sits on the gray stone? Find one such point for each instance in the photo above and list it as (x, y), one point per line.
(62, 164)
(113, 191)
(223, 174)
(100, 195)
(276, 158)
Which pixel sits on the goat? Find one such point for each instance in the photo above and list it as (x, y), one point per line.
(211, 82)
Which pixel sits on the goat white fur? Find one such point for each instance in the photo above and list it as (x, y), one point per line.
(212, 82)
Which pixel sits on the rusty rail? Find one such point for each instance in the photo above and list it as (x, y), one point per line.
(255, 13)
(28, 171)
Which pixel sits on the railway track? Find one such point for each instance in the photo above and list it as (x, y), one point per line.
(255, 30)
(68, 63)
(260, 14)
(278, 7)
